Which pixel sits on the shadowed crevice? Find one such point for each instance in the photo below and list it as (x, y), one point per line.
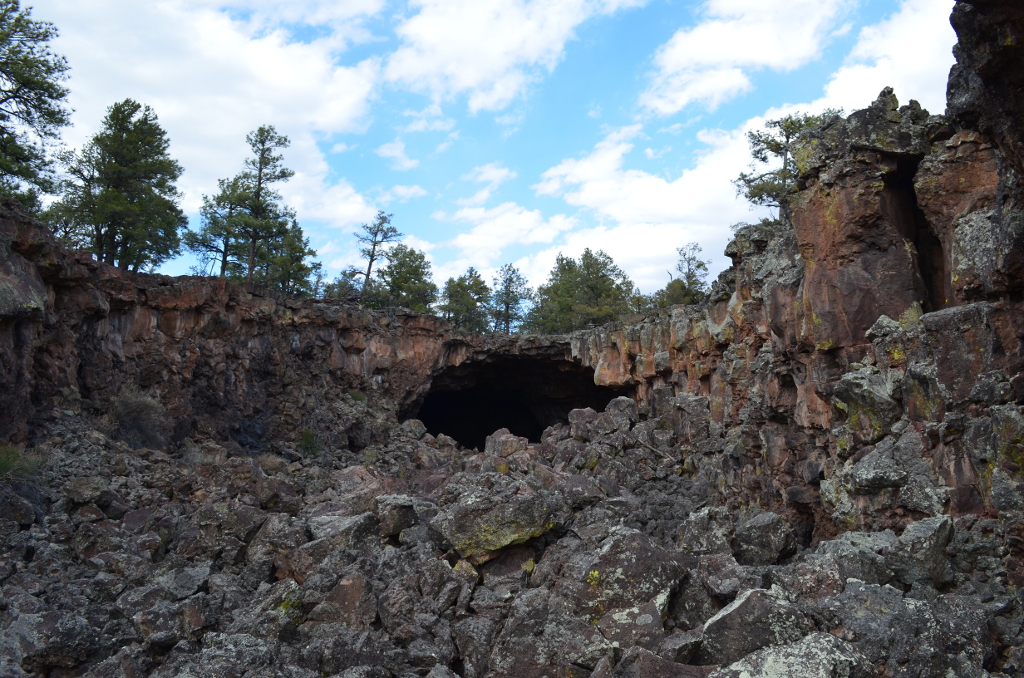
(521, 393)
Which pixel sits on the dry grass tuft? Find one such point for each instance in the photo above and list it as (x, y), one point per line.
(139, 420)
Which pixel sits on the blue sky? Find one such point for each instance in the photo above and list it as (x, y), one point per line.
(496, 131)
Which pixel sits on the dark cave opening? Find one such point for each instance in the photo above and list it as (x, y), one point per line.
(932, 261)
(524, 394)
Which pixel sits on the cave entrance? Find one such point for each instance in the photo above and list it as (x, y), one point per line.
(932, 261)
(524, 394)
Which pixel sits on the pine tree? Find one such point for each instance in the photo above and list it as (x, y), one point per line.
(32, 104)
(775, 143)
(464, 301)
(288, 270)
(404, 281)
(248, 234)
(264, 218)
(120, 189)
(691, 287)
(508, 300)
(591, 291)
(375, 236)
(218, 244)
(345, 285)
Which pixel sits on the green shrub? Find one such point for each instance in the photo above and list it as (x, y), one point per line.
(14, 463)
(308, 442)
(358, 396)
(139, 420)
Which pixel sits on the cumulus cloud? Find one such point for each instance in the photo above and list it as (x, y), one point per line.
(430, 119)
(212, 77)
(339, 14)
(336, 204)
(489, 49)
(395, 150)
(711, 62)
(447, 143)
(911, 51)
(493, 230)
(403, 193)
(493, 174)
(644, 217)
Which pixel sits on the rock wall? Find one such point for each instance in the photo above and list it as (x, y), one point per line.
(819, 472)
(75, 332)
(894, 303)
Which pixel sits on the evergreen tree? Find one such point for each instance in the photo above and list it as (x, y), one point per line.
(691, 287)
(775, 143)
(32, 108)
(287, 268)
(375, 236)
(65, 225)
(640, 303)
(264, 218)
(248, 234)
(120, 189)
(345, 286)
(591, 291)
(404, 281)
(508, 301)
(218, 244)
(464, 301)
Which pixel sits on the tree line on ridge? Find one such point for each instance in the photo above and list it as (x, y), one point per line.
(117, 197)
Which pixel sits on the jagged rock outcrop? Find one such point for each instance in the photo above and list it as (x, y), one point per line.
(820, 472)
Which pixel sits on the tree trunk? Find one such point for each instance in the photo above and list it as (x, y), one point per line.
(252, 260)
(369, 266)
(224, 260)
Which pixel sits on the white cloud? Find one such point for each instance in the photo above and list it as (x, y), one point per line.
(341, 147)
(337, 205)
(653, 154)
(420, 244)
(403, 193)
(338, 14)
(677, 128)
(396, 151)
(911, 51)
(212, 78)
(430, 119)
(495, 229)
(493, 174)
(509, 119)
(631, 247)
(489, 49)
(447, 143)
(644, 217)
(710, 63)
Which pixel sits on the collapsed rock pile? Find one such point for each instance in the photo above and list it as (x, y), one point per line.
(820, 473)
(596, 552)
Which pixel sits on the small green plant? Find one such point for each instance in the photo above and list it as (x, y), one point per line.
(358, 396)
(14, 463)
(139, 420)
(308, 442)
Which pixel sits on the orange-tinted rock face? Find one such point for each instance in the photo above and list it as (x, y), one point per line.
(812, 356)
(856, 237)
(958, 188)
(863, 371)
